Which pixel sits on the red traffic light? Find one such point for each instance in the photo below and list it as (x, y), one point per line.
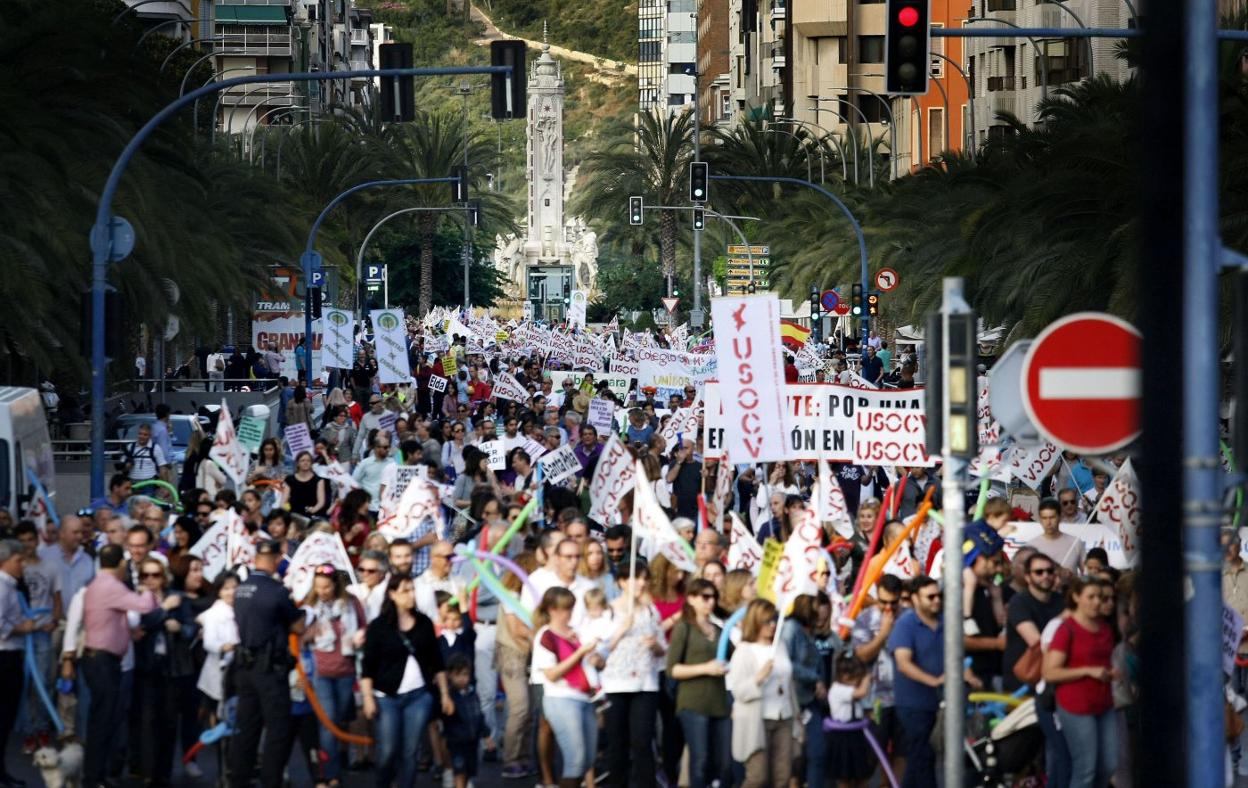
(908, 16)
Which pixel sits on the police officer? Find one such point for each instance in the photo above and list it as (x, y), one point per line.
(266, 616)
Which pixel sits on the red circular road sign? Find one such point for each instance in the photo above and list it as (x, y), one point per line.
(886, 279)
(1081, 382)
(842, 309)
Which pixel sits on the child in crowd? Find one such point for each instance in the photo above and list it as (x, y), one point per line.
(464, 729)
(848, 754)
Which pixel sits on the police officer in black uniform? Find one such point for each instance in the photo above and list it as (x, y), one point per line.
(266, 616)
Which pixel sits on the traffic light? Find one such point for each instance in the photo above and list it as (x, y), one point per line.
(398, 102)
(752, 288)
(907, 48)
(855, 299)
(699, 219)
(567, 292)
(508, 91)
(699, 178)
(474, 213)
(873, 304)
(314, 302)
(816, 319)
(459, 186)
(956, 373)
(634, 211)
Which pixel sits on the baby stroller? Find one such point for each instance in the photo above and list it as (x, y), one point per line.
(1005, 752)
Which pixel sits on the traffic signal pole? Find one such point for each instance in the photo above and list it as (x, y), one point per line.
(111, 238)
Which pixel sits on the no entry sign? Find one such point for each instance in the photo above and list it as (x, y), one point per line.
(1081, 383)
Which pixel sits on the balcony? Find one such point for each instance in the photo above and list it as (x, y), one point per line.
(257, 40)
(1002, 102)
(1006, 83)
(275, 94)
(359, 38)
(1002, 5)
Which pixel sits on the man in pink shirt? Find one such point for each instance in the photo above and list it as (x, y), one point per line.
(106, 638)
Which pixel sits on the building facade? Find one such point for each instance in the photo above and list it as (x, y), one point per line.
(667, 54)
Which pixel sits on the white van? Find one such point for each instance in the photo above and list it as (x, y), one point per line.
(24, 444)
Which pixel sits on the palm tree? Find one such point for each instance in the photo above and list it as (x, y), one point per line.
(653, 163)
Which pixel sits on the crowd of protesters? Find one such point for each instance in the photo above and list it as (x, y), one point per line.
(611, 671)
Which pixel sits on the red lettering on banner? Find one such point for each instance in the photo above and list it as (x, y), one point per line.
(736, 316)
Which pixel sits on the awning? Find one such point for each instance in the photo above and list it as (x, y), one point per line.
(251, 15)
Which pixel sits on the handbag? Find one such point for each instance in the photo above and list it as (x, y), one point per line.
(1028, 667)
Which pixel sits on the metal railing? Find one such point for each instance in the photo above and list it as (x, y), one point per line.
(272, 41)
(1006, 83)
(71, 450)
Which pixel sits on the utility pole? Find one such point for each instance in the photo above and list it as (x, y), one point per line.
(696, 315)
(466, 252)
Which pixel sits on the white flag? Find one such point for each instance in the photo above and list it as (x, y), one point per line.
(830, 499)
(507, 387)
(744, 551)
(343, 481)
(219, 541)
(654, 530)
(723, 489)
(316, 549)
(751, 383)
(420, 501)
(798, 571)
(1119, 508)
(614, 477)
(227, 449)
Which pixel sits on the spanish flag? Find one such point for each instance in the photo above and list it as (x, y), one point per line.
(792, 335)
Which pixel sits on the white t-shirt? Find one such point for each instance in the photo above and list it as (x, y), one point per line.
(413, 679)
(631, 666)
(544, 658)
(841, 703)
(1066, 550)
(544, 579)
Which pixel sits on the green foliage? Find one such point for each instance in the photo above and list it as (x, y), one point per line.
(402, 254)
(601, 27)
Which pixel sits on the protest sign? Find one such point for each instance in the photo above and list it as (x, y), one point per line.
(507, 387)
(1232, 633)
(1031, 466)
(821, 417)
(618, 383)
(830, 499)
(227, 450)
(437, 383)
(797, 572)
(601, 413)
(560, 464)
(655, 533)
(449, 366)
(747, 346)
(317, 549)
(251, 433)
(1019, 532)
(533, 448)
(613, 479)
(683, 423)
(298, 438)
(744, 551)
(1119, 508)
(338, 476)
(403, 476)
(497, 454)
(673, 368)
(390, 337)
(772, 551)
(888, 437)
(338, 342)
(624, 367)
(225, 544)
(420, 502)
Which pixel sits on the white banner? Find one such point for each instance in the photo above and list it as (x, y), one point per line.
(614, 478)
(744, 551)
(624, 368)
(559, 464)
(507, 387)
(619, 383)
(673, 368)
(437, 383)
(420, 501)
(1119, 508)
(227, 450)
(747, 346)
(576, 308)
(821, 417)
(497, 454)
(798, 570)
(601, 415)
(1030, 466)
(683, 424)
(655, 533)
(390, 337)
(889, 437)
(341, 478)
(339, 341)
(317, 549)
(830, 499)
(224, 544)
(533, 449)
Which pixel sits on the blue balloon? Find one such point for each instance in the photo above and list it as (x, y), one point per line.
(721, 652)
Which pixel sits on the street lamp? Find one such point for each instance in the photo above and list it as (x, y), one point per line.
(853, 135)
(970, 92)
(187, 43)
(1035, 46)
(282, 142)
(866, 124)
(359, 258)
(252, 136)
(883, 102)
(800, 144)
(215, 75)
(153, 29)
(1078, 21)
(827, 135)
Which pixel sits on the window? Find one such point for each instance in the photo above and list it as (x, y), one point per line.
(725, 104)
(683, 69)
(870, 49)
(938, 48)
(842, 50)
(682, 37)
(650, 51)
(935, 131)
(874, 109)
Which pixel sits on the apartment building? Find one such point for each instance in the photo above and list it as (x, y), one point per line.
(1012, 75)
(715, 93)
(667, 54)
(759, 67)
(173, 19)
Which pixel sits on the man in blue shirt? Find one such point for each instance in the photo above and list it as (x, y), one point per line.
(917, 646)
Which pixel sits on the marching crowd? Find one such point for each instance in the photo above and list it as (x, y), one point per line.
(582, 660)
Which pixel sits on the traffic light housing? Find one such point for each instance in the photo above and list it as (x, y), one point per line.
(816, 318)
(752, 289)
(699, 219)
(508, 92)
(398, 99)
(855, 299)
(634, 211)
(474, 213)
(873, 304)
(699, 181)
(459, 186)
(957, 372)
(314, 302)
(907, 48)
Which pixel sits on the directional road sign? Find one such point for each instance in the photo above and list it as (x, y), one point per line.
(886, 279)
(1081, 382)
(669, 303)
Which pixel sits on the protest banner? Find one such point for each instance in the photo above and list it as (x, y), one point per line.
(251, 433)
(830, 500)
(772, 550)
(507, 387)
(1119, 508)
(560, 464)
(747, 347)
(298, 438)
(888, 437)
(683, 423)
(1031, 465)
(228, 452)
(797, 572)
(624, 367)
(821, 417)
(655, 534)
(338, 476)
(1232, 633)
(449, 366)
(213, 548)
(619, 383)
(390, 337)
(1017, 533)
(614, 477)
(744, 551)
(601, 414)
(673, 368)
(338, 343)
(497, 454)
(403, 475)
(437, 383)
(533, 448)
(317, 549)
(420, 502)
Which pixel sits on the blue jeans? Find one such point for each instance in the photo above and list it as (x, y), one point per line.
(576, 730)
(1056, 754)
(337, 700)
(36, 719)
(401, 723)
(816, 747)
(710, 748)
(916, 745)
(1093, 743)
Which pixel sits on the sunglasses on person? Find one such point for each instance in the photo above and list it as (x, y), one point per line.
(370, 570)
(890, 602)
(374, 402)
(152, 575)
(440, 555)
(1069, 502)
(1048, 570)
(710, 597)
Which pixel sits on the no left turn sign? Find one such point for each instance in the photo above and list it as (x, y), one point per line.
(886, 279)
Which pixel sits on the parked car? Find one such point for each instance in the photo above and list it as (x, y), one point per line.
(181, 426)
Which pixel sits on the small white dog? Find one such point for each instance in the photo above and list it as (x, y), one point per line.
(63, 768)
